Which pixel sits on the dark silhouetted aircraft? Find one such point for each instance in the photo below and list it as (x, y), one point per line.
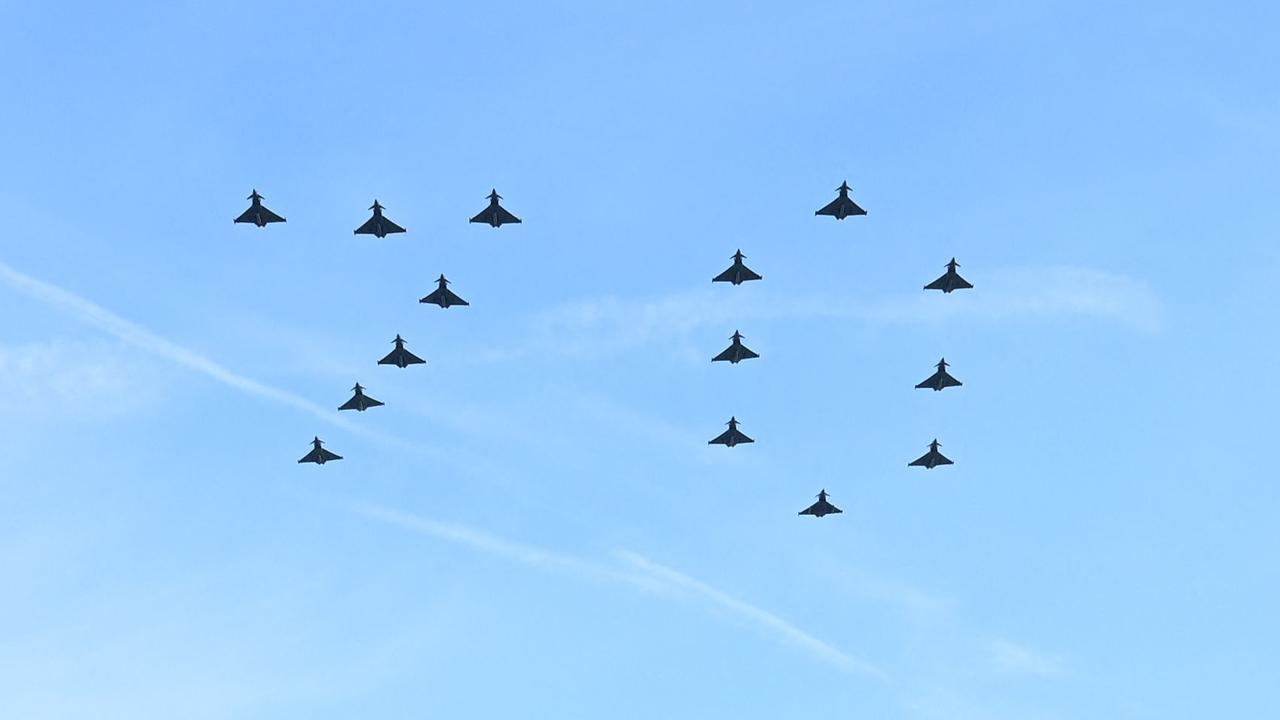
(842, 207)
(378, 225)
(736, 352)
(495, 214)
(931, 459)
(359, 401)
(940, 379)
(732, 436)
(400, 357)
(820, 508)
(319, 455)
(443, 296)
(257, 213)
(951, 280)
(738, 273)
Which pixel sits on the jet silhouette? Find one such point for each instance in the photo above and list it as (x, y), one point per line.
(359, 401)
(378, 225)
(732, 436)
(940, 379)
(319, 455)
(736, 352)
(737, 273)
(820, 508)
(400, 357)
(257, 213)
(951, 280)
(443, 296)
(931, 459)
(842, 207)
(495, 214)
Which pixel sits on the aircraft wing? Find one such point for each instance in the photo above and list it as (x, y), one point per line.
(401, 358)
(407, 357)
(248, 216)
(830, 208)
(452, 298)
(939, 284)
(352, 404)
(319, 456)
(268, 216)
(370, 227)
(503, 216)
(731, 435)
(930, 382)
(729, 275)
(727, 354)
(444, 297)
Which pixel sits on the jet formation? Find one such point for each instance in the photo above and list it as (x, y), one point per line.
(495, 215)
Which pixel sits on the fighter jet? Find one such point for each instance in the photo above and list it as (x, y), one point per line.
(736, 352)
(359, 401)
(738, 273)
(842, 207)
(378, 225)
(495, 214)
(949, 281)
(931, 459)
(319, 455)
(443, 296)
(400, 357)
(732, 436)
(820, 508)
(940, 379)
(257, 213)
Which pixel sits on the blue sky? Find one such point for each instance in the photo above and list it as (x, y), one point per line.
(534, 525)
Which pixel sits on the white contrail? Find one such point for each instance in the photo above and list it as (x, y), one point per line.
(142, 338)
(764, 618)
(650, 576)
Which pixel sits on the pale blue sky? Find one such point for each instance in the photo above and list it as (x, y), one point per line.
(534, 526)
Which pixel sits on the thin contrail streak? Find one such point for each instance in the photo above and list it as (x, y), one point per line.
(143, 339)
(759, 616)
(636, 570)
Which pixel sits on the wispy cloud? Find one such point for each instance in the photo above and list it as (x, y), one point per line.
(1013, 658)
(72, 378)
(610, 324)
(633, 569)
(138, 336)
